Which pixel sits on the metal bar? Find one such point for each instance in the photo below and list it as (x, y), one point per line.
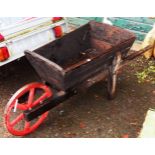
(58, 98)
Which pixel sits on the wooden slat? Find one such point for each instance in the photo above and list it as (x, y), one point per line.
(144, 20)
(131, 25)
(97, 19)
(138, 25)
(94, 79)
(46, 69)
(139, 35)
(78, 21)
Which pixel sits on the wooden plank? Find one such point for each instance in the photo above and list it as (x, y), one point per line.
(89, 69)
(82, 87)
(138, 53)
(74, 78)
(87, 18)
(46, 69)
(140, 35)
(138, 25)
(97, 19)
(78, 21)
(144, 20)
(68, 47)
(98, 48)
(131, 25)
(111, 34)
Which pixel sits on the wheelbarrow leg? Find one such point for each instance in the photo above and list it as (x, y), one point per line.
(112, 75)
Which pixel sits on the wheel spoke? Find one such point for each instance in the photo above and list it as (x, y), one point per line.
(27, 125)
(41, 98)
(31, 96)
(17, 119)
(22, 106)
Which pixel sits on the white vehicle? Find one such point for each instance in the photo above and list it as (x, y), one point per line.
(20, 34)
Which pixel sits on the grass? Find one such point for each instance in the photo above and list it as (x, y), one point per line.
(147, 74)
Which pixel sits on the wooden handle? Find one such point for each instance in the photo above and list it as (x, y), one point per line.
(138, 53)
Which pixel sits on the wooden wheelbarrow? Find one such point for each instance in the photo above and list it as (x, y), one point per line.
(81, 58)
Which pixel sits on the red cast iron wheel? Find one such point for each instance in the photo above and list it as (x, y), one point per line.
(25, 98)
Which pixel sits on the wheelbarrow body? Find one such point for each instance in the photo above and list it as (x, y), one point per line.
(85, 52)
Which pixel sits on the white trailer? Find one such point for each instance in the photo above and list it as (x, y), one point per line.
(20, 34)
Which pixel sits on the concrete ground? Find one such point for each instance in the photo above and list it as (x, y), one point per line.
(88, 114)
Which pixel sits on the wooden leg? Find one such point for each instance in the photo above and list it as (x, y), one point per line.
(112, 79)
(112, 76)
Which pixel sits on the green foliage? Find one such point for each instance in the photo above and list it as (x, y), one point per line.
(147, 74)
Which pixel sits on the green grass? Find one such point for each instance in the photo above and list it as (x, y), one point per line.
(147, 74)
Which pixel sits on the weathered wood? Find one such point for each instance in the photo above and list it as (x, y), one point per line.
(110, 34)
(76, 77)
(79, 55)
(112, 75)
(57, 98)
(68, 47)
(94, 79)
(46, 69)
(138, 53)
